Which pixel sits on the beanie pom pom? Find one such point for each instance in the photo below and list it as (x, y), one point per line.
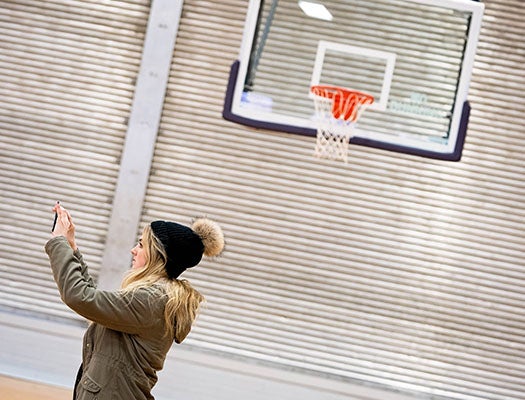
(211, 235)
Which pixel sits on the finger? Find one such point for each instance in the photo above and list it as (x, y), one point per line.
(61, 210)
(70, 220)
(62, 217)
(58, 209)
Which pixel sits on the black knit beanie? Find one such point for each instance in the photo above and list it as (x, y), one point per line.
(183, 246)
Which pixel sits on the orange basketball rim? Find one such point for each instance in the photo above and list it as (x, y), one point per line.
(346, 103)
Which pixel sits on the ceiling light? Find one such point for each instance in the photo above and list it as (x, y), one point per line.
(315, 10)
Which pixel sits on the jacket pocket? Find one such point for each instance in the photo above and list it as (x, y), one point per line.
(90, 385)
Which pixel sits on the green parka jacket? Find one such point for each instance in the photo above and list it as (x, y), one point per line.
(126, 344)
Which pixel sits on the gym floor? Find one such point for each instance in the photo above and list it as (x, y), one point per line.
(18, 389)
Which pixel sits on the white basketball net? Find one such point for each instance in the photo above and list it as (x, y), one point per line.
(333, 134)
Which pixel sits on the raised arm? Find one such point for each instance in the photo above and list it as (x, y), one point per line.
(131, 313)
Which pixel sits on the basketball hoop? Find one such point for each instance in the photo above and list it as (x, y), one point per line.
(337, 109)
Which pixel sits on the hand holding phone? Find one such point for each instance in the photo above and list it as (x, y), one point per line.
(63, 225)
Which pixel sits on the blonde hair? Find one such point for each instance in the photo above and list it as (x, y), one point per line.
(183, 301)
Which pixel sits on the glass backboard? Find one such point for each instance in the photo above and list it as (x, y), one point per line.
(414, 56)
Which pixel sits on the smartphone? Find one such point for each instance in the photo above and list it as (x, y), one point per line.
(55, 220)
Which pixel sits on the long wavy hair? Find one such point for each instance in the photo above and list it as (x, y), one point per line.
(183, 301)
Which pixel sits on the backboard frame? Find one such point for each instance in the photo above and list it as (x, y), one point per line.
(450, 150)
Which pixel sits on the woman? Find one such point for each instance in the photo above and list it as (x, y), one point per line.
(133, 328)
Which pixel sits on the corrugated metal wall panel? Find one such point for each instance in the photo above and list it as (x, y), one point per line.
(392, 270)
(67, 77)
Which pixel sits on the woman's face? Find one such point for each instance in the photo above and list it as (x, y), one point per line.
(139, 255)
